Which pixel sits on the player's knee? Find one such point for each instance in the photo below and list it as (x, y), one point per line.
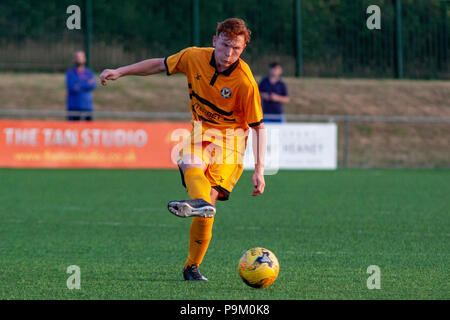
(191, 161)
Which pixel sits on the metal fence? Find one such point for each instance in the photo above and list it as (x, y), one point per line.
(363, 141)
(326, 38)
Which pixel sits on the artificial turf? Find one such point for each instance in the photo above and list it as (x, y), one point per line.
(326, 228)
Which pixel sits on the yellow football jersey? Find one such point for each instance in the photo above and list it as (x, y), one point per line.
(221, 100)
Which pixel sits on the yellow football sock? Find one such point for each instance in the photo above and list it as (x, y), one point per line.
(200, 234)
(199, 237)
(197, 184)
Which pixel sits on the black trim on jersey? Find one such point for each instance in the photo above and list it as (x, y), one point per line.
(207, 120)
(229, 120)
(199, 116)
(227, 72)
(193, 109)
(211, 105)
(254, 124)
(167, 67)
(214, 78)
(212, 121)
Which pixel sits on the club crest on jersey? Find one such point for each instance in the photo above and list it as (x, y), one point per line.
(226, 93)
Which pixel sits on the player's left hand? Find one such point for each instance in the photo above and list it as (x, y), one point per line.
(258, 182)
(109, 74)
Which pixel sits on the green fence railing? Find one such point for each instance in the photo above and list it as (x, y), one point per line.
(312, 38)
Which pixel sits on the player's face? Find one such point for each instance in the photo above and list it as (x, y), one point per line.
(228, 51)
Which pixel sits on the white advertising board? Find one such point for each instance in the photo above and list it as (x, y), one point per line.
(297, 146)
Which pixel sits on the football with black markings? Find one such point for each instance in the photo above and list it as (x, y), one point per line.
(258, 267)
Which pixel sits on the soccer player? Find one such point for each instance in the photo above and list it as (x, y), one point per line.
(225, 102)
(274, 94)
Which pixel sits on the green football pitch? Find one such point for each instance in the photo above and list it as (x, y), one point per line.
(326, 229)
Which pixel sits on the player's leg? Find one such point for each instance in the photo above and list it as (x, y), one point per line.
(200, 235)
(223, 177)
(214, 195)
(198, 187)
(192, 168)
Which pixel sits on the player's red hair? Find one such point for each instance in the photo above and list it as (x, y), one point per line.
(234, 27)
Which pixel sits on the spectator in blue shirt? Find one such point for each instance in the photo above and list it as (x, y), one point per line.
(273, 94)
(80, 81)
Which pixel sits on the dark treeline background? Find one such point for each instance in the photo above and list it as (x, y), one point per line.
(335, 39)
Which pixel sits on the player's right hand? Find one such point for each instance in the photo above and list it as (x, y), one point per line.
(109, 74)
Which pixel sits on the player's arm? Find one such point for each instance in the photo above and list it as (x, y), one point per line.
(143, 68)
(259, 153)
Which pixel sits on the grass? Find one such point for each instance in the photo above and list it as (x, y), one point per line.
(413, 98)
(326, 228)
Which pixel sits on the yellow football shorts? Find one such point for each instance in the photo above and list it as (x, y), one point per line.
(223, 166)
